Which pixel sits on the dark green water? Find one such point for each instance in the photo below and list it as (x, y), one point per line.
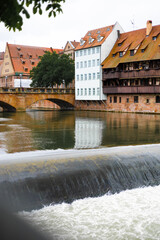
(42, 130)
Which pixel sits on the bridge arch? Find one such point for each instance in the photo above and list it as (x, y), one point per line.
(20, 99)
(7, 107)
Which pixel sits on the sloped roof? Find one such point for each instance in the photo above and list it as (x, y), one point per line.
(133, 40)
(74, 43)
(102, 32)
(22, 56)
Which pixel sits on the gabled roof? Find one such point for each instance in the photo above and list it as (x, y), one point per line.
(92, 38)
(26, 53)
(146, 48)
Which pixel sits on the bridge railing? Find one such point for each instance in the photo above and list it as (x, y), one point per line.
(38, 90)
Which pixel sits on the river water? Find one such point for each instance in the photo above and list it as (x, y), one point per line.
(131, 214)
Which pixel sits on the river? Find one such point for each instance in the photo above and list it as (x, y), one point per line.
(132, 213)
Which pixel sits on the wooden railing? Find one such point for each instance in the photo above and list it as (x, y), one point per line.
(131, 89)
(37, 90)
(132, 74)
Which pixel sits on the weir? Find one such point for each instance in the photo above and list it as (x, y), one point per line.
(31, 180)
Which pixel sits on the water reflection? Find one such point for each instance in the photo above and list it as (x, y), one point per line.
(36, 130)
(88, 133)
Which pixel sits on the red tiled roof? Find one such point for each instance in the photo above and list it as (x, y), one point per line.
(27, 53)
(103, 32)
(133, 39)
(74, 43)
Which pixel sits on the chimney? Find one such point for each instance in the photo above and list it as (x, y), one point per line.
(148, 27)
(118, 33)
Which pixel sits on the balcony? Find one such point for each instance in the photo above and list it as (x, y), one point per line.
(131, 89)
(132, 74)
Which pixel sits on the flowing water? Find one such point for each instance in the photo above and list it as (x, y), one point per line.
(111, 211)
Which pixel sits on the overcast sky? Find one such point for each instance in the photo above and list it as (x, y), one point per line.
(77, 18)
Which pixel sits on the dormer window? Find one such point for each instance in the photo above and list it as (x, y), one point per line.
(119, 44)
(18, 48)
(25, 69)
(98, 32)
(89, 34)
(114, 54)
(91, 40)
(32, 62)
(142, 50)
(82, 42)
(132, 52)
(120, 54)
(21, 55)
(108, 29)
(99, 38)
(154, 38)
(23, 61)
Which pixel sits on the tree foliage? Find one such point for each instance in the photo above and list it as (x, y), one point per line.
(52, 69)
(13, 11)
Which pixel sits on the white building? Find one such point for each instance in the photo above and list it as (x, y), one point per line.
(90, 53)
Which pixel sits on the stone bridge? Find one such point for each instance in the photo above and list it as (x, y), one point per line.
(20, 99)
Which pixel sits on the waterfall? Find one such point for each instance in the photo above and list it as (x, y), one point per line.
(30, 182)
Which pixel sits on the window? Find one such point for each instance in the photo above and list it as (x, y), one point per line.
(89, 76)
(93, 63)
(85, 52)
(89, 63)
(85, 76)
(98, 50)
(98, 62)
(98, 75)
(81, 76)
(81, 64)
(77, 64)
(147, 100)
(77, 77)
(119, 99)
(120, 54)
(131, 52)
(81, 91)
(77, 54)
(85, 64)
(93, 50)
(85, 91)
(89, 91)
(127, 100)
(135, 99)
(7, 63)
(78, 92)
(93, 91)
(94, 76)
(110, 99)
(89, 51)
(154, 38)
(98, 92)
(115, 99)
(81, 52)
(157, 99)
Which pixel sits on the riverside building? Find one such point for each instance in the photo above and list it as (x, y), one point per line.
(18, 61)
(93, 48)
(131, 72)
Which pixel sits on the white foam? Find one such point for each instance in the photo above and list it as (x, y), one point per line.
(132, 214)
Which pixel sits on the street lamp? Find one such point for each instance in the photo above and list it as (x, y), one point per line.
(6, 80)
(20, 84)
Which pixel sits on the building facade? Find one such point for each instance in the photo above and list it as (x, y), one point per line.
(131, 72)
(93, 48)
(18, 61)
